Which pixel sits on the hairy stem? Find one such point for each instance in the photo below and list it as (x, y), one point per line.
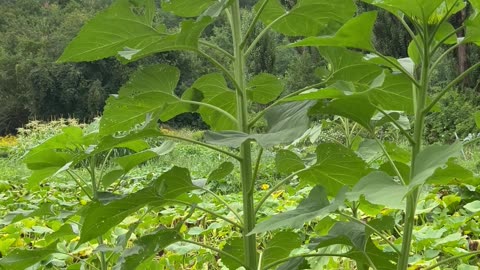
(250, 245)
(420, 94)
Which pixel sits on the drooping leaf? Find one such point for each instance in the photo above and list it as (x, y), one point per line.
(288, 162)
(316, 205)
(430, 159)
(363, 251)
(233, 247)
(355, 107)
(22, 259)
(380, 188)
(415, 9)
(307, 17)
(453, 174)
(186, 8)
(356, 33)
(216, 9)
(143, 98)
(111, 176)
(286, 122)
(130, 161)
(221, 172)
(264, 88)
(280, 246)
(146, 247)
(384, 223)
(127, 30)
(98, 218)
(132, 140)
(336, 167)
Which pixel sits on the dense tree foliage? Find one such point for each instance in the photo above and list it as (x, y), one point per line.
(34, 33)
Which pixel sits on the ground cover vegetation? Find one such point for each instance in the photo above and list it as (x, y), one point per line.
(263, 187)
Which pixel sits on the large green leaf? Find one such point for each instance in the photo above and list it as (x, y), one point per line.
(132, 140)
(127, 30)
(221, 171)
(363, 251)
(316, 205)
(417, 9)
(130, 161)
(146, 247)
(356, 33)
(286, 122)
(142, 99)
(432, 158)
(388, 90)
(280, 246)
(55, 155)
(98, 218)
(22, 259)
(444, 31)
(264, 88)
(187, 8)
(355, 107)
(215, 91)
(349, 66)
(288, 162)
(380, 188)
(307, 17)
(336, 167)
(453, 174)
(234, 247)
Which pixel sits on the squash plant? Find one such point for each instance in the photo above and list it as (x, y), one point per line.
(361, 85)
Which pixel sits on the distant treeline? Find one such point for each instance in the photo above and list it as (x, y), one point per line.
(35, 32)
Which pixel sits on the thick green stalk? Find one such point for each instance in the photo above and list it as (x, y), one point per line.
(95, 185)
(245, 149)
(420, 94)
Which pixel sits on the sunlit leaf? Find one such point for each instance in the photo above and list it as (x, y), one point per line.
(307, 17)
(186, 8)
(144, 96)
(356, 33)
(127, 30)
(336, 167)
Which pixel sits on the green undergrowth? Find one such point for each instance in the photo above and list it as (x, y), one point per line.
(34, 218)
